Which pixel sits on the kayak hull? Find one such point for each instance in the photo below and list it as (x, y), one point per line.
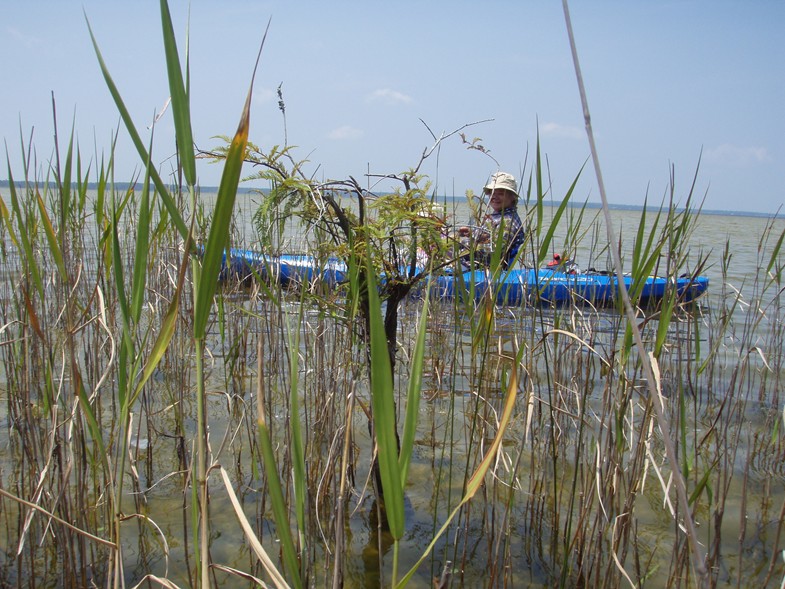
(532, 285)
(515, 287)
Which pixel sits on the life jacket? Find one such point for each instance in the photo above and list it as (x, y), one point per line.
(556, 261)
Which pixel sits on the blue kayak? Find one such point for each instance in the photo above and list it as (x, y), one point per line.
(514, 287)
(553, 286)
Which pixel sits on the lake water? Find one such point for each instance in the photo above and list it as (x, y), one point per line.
(734, 251)
(513, 532)
(746, 238)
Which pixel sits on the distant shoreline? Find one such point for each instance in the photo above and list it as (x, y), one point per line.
(588, 205)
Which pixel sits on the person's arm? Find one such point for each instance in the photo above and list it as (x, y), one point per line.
(479, 234)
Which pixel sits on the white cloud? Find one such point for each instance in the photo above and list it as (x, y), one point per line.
(264, 95)
(557, 130)
(28, 41)
(727, 154)
(388, 96)
(345, 133)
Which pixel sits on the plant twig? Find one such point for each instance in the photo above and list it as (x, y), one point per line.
(48, 514)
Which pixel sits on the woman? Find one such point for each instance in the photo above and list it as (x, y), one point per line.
(502, 194)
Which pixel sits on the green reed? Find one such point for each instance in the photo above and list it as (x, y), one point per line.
(576, 460)
(204, 289)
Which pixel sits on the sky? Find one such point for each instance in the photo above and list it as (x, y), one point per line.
(682, 94)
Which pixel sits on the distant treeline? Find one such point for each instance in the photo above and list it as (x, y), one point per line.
(127, 185)
(576, 204)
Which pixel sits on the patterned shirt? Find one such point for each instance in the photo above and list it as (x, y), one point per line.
(513, 231)
(513, 239)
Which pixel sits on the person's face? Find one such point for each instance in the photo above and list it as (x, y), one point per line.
(501, 199)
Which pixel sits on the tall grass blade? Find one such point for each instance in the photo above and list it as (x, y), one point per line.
(27, 248)
(100, 189)
(119, 273)
(8, 222)
(539, 184)
(642, 273)
(382, 396)
(219, 228)
(775, 253)
(298, 454)
(167, 199)
(666, 314)
(478, 477)
(82, 183)
(64, 181)
(92, 421)
(167, 331)
(250, 535)
(704, 484)
(644, 257)
(414, 393)
(277, 501)
(142, 246)
(181, 109)
(637, 245)
(649, 367)
(51, 237)
(32, 316)
(546, 242)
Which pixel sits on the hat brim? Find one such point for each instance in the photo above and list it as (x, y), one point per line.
(490, 188)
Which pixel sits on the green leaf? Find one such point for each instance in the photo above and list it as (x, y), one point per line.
(638, 243)
(219, 228)
(119, 274)
(298, 454)
(414, 392)
(642, 273)
(540, 188)
(142, 247)
(546, 242)
(180, 103)
(666, 314)
(51, 237)
(92, 421)
(384, 409)
(32, 265)
(476, 481)
(280, 512)
(222, 216)
(65, 184)
(9, 225)
(167, 330)
(702, 485)
(775, 253)
(167, 199)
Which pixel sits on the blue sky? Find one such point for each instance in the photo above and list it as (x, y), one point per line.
(669, 83)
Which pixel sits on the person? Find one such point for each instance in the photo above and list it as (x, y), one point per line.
(502, 194)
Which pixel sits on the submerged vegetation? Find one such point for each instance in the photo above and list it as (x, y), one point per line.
(161, 430)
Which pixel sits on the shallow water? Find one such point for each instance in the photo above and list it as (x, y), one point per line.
(518, 520)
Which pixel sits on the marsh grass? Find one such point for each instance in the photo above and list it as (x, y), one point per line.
(161, 430)
(575, 491)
